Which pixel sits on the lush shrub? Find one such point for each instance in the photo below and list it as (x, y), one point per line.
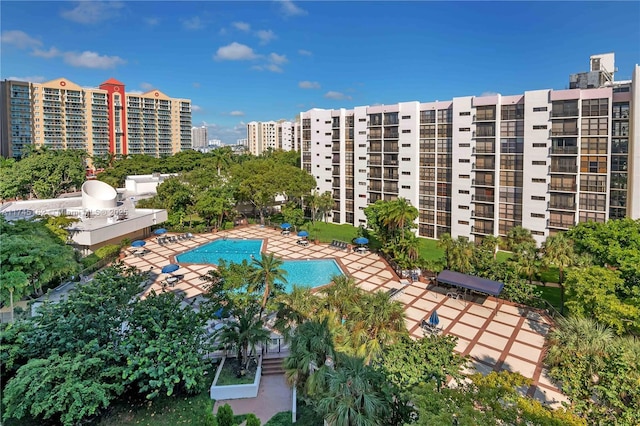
(252, 420)
(224, 417)
(103, 252)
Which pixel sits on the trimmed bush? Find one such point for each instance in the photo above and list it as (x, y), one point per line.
(224, 417)
(252, 420)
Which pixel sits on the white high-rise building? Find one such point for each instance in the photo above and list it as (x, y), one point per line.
(265, 135)
(199, 137)
(475, 166)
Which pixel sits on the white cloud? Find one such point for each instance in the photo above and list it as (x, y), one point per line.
(227, 134)
(305, 52)
(266, 36)
(194, 23)
(196, 84)
(196, 108)
(278, 59)
(236, 113)
(146, 86)
(32, 79)
(273, 68)
(91, 12)
(152, 21)
(489, 93)
(19, 39)
(88, 59)
(309, 85)
(336, 95)
(235, 52)
(289, 9)
(242, 26)
(134, 92)
(47, 54)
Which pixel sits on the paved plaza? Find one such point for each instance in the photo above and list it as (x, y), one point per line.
(494, 333)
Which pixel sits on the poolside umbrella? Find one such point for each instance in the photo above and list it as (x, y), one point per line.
(160, 231)
(361, 240)
(303, 234)
(285, 225)
(434, 319)
(172, 267)
(138, 243)
(218, 313)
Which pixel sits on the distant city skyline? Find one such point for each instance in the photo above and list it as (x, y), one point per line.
(261, 61)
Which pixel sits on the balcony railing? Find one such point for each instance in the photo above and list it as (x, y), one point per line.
(482, 198)
(563, 188)
(563, 169)
(481, 182)
(561, 206)
(563, 150)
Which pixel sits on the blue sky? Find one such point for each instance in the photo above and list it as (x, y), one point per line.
(242, 61)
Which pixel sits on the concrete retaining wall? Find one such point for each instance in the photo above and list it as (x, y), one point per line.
(236, 391)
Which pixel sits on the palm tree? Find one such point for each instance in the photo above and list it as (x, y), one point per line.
(325, 203)
(15, 283)
(518, 235)
(557, 250)
(342, 295)
(493, 242)
(268, 271)
(526, 260)
(312, 201)
(446, 243)
(221, 158)
(355, 395)
(461, 255)
(400, 214)
(294, 308)
(245, 332)
(377, 321)
(311, 347)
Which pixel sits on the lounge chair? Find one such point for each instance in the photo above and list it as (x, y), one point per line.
(344, 246)
(189, 235)
(393, 292)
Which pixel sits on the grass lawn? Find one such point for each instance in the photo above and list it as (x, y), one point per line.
(551, 276)
(163, 411)
(429, 249)
(551, 295)
(228, 374)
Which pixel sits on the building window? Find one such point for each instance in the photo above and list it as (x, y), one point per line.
(406, 173)
(464, 129)
(406, 159)
(540, 145)
(465, 113)
(406, 187)
(464, 145)
(538, 215)
(537, 233)
(539, 127)
(538, 180)
(463, 160)
(463, 191)
(463, 222)
(406, 117)
(537, 198)
(362, 132)
(539, 163)
(539, 109)
(406, 131)
(463, 176)
(406, 145)
(463, 207)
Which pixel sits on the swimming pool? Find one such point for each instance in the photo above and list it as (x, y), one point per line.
(230, 249)
(305, 273)
(310, 273)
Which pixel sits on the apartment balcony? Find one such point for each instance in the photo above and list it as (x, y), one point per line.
(481, 215)
(476, 119)
(559, 225)
(562, 188)
(561, 206)
(564, 114)
(482, 230)
(564, 132)
(482, 198)
(563, 150)
(482, 182)
(483, 151)
(559, 168)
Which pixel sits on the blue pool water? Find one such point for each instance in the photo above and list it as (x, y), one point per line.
(310, 273)
(306, 273)
(231, 250)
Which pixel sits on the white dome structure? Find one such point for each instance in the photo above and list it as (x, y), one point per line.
(97, 195)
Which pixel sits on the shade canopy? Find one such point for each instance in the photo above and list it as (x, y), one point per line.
(303, 234)
(361, 240)
(172, 267)
(481, 285)
(434, 319)
(160, 231)
(285, 225)
(138, 243)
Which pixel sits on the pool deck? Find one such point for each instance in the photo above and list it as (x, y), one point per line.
(495, 334)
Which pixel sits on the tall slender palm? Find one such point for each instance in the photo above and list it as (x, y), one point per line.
(491, 241)
(311, 202)
(325, 203)
(221, 158)
(294, 308)
(446, 243)
(558, 251)
(518, 235)
(461, 255)
(268, 271)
